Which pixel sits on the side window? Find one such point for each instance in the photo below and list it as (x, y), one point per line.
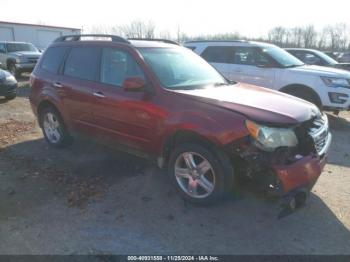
(312, 59)
(116, 65)
(218, 54)
(53, 58)
(82, 63)
(244, 56)
(299, 55)
(2, 48)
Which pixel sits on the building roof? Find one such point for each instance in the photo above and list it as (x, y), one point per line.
(47, 26)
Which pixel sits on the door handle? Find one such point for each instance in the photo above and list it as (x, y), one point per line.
(57, 85)
(99, 94)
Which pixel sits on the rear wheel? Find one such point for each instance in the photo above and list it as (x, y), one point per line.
(200, 174)
(54, 130)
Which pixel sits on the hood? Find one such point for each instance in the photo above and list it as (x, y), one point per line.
(256, 103)
(26, 53)
(321, 71)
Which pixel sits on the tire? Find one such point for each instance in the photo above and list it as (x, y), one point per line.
(306, 95)
(13, 70)
(10, 97)
(193, 185)
(53, 127)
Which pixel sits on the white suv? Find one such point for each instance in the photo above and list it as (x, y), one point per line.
(272, 67)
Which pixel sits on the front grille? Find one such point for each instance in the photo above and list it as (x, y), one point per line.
(313, 136)
(319, 132)
(33, 60)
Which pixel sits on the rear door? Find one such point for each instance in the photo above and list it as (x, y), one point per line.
(247, 65)
(126, 117)
(75, 84)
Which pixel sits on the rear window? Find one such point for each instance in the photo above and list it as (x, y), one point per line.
(53, 58)
(82, 63)
(218, 54)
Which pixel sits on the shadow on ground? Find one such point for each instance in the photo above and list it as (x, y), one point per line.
(135, 210)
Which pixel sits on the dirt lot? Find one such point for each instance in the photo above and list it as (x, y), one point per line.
(88, 199)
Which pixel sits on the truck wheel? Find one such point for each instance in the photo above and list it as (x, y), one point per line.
(14, 71)
(201, 175)
(306, 95)
(54, 130)
(10, 97)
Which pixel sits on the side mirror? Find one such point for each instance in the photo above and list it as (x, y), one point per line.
(134, 84)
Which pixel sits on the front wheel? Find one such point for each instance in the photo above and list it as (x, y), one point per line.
(54, 130)
(201, 175)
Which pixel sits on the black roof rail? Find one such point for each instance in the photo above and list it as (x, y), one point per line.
(156, 39)
(206, 41)
(114, 38)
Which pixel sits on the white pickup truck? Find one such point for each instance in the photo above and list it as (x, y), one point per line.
(272, 67)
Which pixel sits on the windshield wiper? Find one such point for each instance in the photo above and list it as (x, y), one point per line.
(221, 84)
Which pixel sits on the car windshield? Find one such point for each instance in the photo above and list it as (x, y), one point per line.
(282, 57)
(180, 68)
(18, 47)
(329, 60)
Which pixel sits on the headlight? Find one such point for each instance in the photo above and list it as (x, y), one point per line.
(269, 138)
(9, 80)
(336, 82)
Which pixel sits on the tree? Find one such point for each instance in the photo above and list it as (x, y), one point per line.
(138, 29)
(309, 36)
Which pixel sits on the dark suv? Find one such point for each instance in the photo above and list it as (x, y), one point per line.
(163, 101)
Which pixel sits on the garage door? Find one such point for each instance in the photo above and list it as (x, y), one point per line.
(45, 37)
(6, 34)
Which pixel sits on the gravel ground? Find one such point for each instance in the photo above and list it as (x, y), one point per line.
(89, 199)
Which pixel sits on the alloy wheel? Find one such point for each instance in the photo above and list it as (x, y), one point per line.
(52, 128)
(194, 174)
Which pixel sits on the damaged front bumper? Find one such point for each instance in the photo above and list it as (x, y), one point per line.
(288, 172)
(302, 174)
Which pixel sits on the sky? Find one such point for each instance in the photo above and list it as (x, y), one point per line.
(248, 17)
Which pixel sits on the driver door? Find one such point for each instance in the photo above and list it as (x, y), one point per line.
(126, 117)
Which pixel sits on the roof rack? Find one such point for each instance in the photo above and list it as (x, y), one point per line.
(114, 38)
(205, 41)
(156, 39)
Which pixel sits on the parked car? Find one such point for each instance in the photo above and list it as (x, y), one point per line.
(8, 85)
(334, 55)
(344, 58)
(162, 101)
(272, 67)
(315, 57)
(18, 57)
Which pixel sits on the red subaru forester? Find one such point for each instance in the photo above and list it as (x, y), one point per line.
(160, 100)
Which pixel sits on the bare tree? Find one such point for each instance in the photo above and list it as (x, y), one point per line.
(138, 29)
(309, 36)
(277, 35)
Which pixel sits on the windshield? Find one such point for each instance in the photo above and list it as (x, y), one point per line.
(327, 58)
(179, 68)
(18, 47)
(282, 57)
